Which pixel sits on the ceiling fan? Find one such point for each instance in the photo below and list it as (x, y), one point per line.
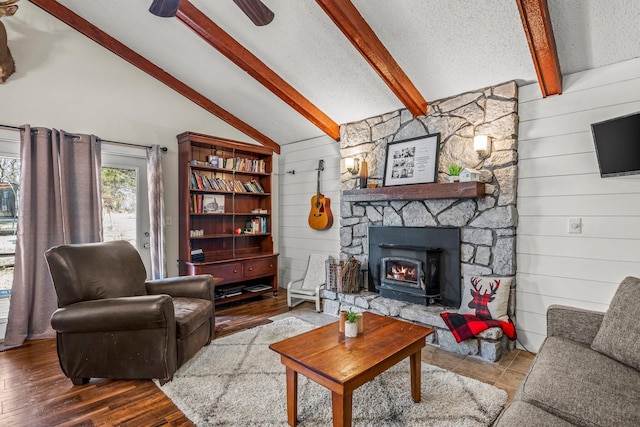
(254, 9)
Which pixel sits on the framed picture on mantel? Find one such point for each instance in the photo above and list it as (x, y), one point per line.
(412, 161)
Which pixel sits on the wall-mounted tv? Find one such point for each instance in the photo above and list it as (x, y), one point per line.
(617, 144)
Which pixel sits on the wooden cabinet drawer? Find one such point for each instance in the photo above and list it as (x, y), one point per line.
(259, 267)
(229, 273)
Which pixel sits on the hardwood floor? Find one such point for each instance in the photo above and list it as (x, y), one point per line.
(35, 392)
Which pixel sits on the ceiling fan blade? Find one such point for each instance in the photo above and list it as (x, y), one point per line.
(256, 11)
(164, 8)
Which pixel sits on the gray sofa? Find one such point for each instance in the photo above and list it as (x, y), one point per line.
(587, 371)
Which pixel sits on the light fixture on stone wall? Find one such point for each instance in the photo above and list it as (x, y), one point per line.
(482, 145)
(352, 164)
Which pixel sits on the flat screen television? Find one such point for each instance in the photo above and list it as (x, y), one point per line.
(617, 144)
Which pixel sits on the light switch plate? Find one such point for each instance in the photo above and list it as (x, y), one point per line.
(575, 225)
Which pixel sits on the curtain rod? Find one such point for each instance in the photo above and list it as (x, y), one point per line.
(164, 149)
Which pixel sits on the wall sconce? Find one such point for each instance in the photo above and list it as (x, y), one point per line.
(482, 145)
(352, 164)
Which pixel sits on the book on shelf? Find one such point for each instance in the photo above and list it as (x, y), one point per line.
(214, 184)
(196, 203)
(195, 162)
(248, 187)
(222, 185)
(237, 185)
(227, 163)
(257, 288)
(214, 161)
(259, 211)
(197, 255)
(242, 164)
(203, 182)
(200, 182)
(232, 294)
(232, 290)
(258, 225)
(258, 186)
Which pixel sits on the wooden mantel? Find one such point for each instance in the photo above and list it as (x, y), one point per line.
(453, 190)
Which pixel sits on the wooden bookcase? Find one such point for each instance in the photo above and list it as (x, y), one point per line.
(225, 212)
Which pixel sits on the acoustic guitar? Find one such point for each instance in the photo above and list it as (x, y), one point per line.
(320, 217)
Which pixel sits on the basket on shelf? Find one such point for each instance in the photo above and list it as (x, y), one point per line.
(343, 276)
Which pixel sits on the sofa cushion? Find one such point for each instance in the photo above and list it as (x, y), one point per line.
(522, 414)
(190, 313)
(619, 334)
(486, 297)
(582, 386)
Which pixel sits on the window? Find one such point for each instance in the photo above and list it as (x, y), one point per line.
(119, 205)
(9, 199)
(9, 179)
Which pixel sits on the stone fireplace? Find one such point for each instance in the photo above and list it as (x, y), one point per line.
(484, 214)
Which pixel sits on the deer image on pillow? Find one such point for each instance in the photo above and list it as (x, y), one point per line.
(486, 297)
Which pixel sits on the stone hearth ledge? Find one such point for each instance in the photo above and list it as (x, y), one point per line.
(489, 345)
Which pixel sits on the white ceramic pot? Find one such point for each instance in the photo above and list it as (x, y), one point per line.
(351, 329)
(454, 178)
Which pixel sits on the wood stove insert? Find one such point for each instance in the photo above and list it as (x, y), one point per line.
(420, 265)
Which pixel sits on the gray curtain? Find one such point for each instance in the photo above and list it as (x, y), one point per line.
(60, 202)
(156, 212)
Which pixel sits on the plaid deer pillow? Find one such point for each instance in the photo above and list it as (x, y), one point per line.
(486, 297)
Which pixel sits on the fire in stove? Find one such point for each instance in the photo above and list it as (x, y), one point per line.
(400, 271)
(411, 279)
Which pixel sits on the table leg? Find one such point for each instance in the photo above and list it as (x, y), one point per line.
(292, 397)
(341, 405)
(416, 375)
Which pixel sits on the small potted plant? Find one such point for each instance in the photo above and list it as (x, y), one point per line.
(454, 172)
(351, 324)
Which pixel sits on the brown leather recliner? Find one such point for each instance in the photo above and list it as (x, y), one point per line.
(113, 323)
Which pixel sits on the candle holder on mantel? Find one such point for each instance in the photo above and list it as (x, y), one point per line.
(364, 175)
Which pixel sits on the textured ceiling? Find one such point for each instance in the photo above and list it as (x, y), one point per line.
(444, 46)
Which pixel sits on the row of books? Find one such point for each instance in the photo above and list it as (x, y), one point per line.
(234, 163)
(258, 225)
(207, 203)
(202, 182)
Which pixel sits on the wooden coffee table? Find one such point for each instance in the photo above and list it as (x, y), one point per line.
(342, 364)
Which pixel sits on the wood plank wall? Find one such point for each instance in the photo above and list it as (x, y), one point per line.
(297, 239)
(559, 179)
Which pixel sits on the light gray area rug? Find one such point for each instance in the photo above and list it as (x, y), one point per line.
(238, 381)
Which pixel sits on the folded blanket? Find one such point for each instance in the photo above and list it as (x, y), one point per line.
(464, 326)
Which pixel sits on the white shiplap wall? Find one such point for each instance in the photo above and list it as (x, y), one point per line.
(559, 179)
(296, 239)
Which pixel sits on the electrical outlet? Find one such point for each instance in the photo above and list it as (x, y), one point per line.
(168, 220)
(575, 225)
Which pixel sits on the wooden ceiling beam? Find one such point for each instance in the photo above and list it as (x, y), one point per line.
(193, 18)
(539, 31)
(346, 17)
(105, 40)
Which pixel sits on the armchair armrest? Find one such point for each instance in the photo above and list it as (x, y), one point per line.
(115, 314)
(573, 323)
(294, 284)
(200, 286)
